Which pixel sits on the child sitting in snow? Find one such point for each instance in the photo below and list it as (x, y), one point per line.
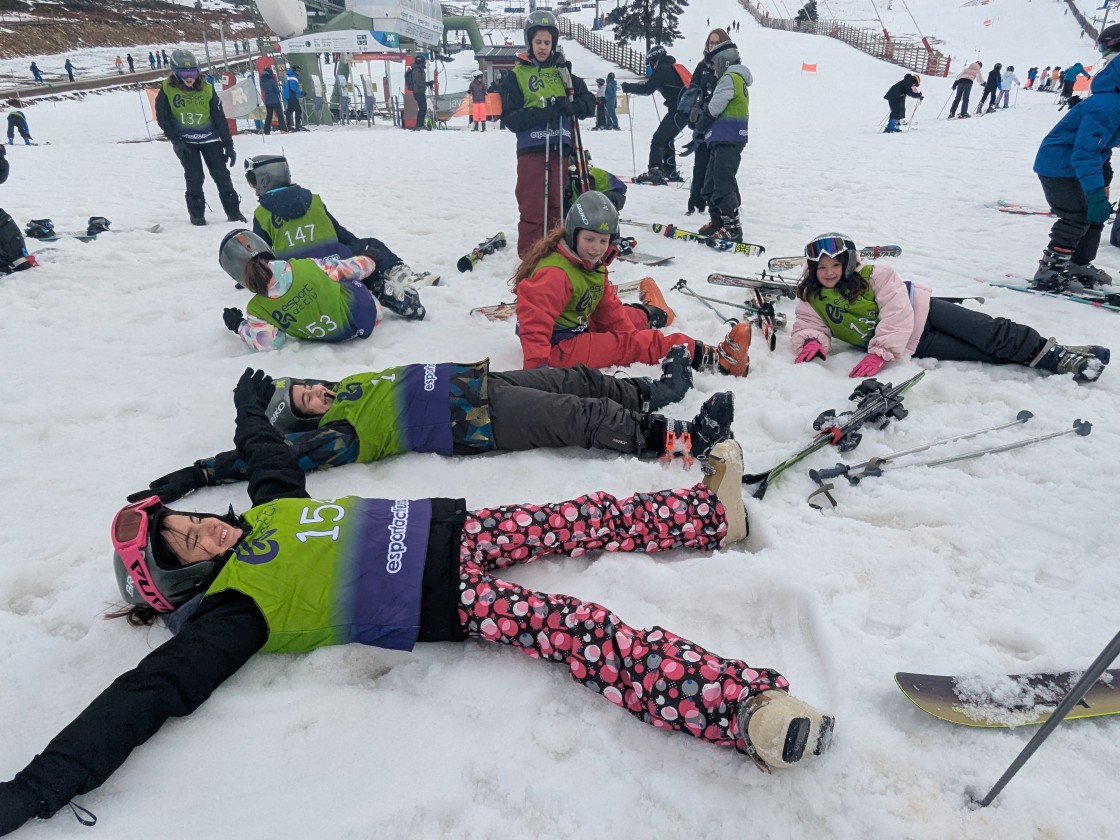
(869, 306)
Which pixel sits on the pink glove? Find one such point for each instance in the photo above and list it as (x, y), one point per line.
(868, 366)
(810, 350)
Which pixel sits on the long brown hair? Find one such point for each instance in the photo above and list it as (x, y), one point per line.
(538, 252)
(724, 37)
(258, 274)
(136, 615)
(851, 287)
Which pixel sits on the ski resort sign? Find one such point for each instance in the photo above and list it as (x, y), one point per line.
(342, 41)
(417, 20)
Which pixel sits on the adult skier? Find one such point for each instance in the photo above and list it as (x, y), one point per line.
(273, 102)
(703, 84)
(1070, 164)
(537, 108)
(420, 85)
(667, 78)
(991, 87)
(295, 222)
(293, 96)
(17, 121)
(190, 113)
(896, 99)
(963, 86)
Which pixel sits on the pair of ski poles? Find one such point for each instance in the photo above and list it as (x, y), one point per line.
(873, 467)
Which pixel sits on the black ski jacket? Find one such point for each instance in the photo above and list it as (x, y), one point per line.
(516, 117)
(170, 128)
(664, 80)
(218, 635)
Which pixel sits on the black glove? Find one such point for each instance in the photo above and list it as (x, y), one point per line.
(254, 390)
(562, 106)
(921, 97)
(174, 485)
(179, 148)
(233, 318)
(628, 87)
(690, 147)
(17, 805)
(231, 156)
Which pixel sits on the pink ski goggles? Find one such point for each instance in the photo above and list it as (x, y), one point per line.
(130, 539)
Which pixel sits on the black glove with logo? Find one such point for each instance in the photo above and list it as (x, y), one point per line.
(233, 318)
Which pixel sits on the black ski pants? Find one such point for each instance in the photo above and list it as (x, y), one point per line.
(989, 94)
(1072, 231)
(898, 107)
(955, 334)
(701, 158)
(277, 110)
(295, 113)
(964, 90)
(662, 151)
(421, 108)
(721, 187)
(556, 407)
(214, 155)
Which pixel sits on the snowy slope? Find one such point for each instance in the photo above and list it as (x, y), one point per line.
(116, 368)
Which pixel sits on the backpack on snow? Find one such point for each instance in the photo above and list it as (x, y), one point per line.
(13, 249)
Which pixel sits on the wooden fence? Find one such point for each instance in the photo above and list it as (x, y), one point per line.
(623, 56)
(914, 55)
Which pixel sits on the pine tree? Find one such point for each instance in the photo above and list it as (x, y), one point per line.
(654, 21)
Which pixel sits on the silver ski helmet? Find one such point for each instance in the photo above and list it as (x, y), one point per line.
(723, 56)
(267, 172)
(184, 65)
(541, 19)
(237, 248)
(591, 211)
(280, 412)
(146, 576)
(835, 245)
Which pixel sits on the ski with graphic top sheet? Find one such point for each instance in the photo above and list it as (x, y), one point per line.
(868, 252)
(506, 311)
(748, 249)
(767, 282)
(1007, 700)
(1101, 300)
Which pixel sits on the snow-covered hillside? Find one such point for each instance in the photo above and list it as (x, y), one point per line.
(116, 368)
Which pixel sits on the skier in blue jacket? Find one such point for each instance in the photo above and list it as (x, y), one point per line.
(1073, 164)
(292, 96)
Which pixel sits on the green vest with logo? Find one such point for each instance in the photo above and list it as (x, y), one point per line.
(587, 291)
(539, 85)
(376, 417)
(191, 111)
(851, 321)
(315, 308)
(309, 235)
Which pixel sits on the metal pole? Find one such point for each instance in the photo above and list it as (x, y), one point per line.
(222, 34)
(1100, 664)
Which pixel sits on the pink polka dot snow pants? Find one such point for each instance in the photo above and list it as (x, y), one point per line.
(657, 676)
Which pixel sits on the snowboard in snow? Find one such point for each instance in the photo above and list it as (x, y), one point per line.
(506, 311)
(1007, 700)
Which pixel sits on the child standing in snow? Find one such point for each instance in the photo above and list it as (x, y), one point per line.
(1006, 81)
(896, 99)
(870, 307)
(569, 314)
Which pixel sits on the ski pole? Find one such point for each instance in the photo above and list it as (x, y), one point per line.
(682, 286)
(952, 93)
(913, 115)
(633, 154)
(547, 146)
(1092, 673)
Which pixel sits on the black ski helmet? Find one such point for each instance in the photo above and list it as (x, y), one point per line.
(237, 248)
(184, 60)
(1109, 39)
(149, 578)
(280, 412)
(541, 19)
(267, 172)
(591, 211)
(654, 56)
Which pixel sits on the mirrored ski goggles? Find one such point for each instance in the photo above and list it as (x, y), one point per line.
(829, 246)
(130, 538)
(187, 74)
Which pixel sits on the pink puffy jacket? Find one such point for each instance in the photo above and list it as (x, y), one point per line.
(974, 73)
(900, 321)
